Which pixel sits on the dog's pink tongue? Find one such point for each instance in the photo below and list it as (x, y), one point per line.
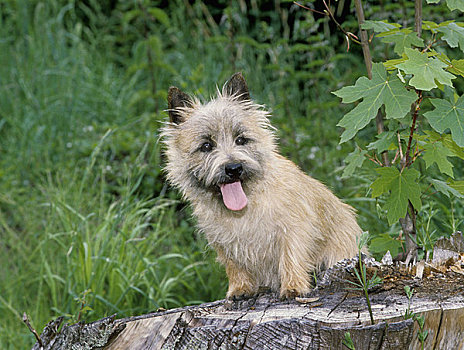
(233, 196)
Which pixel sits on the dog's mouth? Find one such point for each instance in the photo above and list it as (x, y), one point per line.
(233, 196)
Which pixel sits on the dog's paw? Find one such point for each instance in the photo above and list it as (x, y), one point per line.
(239, 294)
(291, 294)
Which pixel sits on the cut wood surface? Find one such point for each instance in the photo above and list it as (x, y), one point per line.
(317, 322)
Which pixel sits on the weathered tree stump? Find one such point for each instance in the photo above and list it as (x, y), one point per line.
(317, 322)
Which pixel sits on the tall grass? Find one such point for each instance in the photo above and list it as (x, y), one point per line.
(83, 232)
(88, 227)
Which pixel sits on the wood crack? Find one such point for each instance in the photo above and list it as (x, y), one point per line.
(435, 341)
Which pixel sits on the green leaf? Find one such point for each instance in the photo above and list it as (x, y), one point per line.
(458, 186)
(457, 67)
(160, 15)
(453, 147)
(455, 5)
(379, 26)
(447, 141)
(435, 152)
(385, 140)
(429, 25)
(384, 89)
(403, 40)
(404, 188)
(354, 160)
(382, 184)
(446, 189)
(433, 1)
(453, 35)
(425, 70)
(383, 242)
(448, 115)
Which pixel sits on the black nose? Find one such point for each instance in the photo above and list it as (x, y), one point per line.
(234, 170)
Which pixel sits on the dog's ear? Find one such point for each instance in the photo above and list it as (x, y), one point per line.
(177, 98)
(237, 86)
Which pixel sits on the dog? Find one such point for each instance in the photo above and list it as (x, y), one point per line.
(270, 223)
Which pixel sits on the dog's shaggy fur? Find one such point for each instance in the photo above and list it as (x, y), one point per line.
(269, 223)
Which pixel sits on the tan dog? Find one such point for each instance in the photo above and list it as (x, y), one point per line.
(269, 223)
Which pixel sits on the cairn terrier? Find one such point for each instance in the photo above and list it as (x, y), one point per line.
(270, 223)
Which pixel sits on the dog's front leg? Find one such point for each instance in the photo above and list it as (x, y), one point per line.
(293, 269)
(241, 282)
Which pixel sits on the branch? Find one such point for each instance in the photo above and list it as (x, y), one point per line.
(328, 13)
(368, 62)
(418, 18)
(33, 331)
(416, 105)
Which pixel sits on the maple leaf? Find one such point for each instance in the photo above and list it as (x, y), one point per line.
(458, 186)
(453, 35)
(446, 189)
(435, 152)
(385, 140)
(425, 70)
(455, 5)
(446, 140)
(379, 26)
(403, 187)
(383, 89)
(457, 67)
(403, 40)
(381, 185)
(447, 115)
(354, 160)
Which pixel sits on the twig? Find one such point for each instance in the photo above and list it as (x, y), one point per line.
(33, 331)
(413, 127)
(374, 159)
(332, 17)
(396, 155)
(310, 9)
(399, 145)
(329, 14)
(429, 46)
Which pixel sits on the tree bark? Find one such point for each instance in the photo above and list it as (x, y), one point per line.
(317, 322)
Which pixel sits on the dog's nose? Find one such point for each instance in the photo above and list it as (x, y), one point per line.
(234, 170)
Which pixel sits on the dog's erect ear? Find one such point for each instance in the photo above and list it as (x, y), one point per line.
(177, 98)
(237, 86)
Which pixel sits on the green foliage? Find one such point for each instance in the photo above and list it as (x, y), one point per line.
(420, 88)
(403, 187)
(363, 283)
(403, 40)
(87, 223)
(382, 89)
(448, 115)
(385, 242)
(426, 71)
(348, 342)
(421, 333)
(355, 160)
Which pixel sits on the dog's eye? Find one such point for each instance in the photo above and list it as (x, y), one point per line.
(206, 147)
(240, 141)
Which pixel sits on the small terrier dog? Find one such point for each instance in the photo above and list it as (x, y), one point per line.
(270, 223)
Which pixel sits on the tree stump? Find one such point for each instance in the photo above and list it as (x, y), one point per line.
(317, 322)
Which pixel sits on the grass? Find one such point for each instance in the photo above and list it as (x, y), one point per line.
(88, 226)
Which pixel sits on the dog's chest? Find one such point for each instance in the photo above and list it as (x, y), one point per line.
(250, 240)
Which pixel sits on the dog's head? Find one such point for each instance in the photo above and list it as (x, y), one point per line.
(221, 146)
